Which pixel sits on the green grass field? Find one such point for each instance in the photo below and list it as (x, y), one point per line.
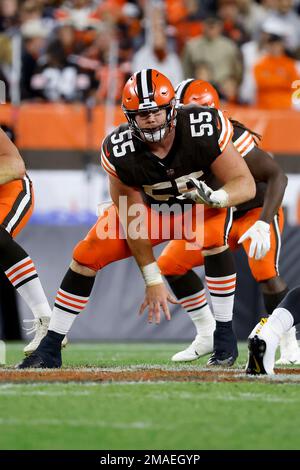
(163, 415)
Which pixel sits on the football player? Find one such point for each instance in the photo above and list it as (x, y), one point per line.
(161, 153)
(256, 224)
(16, 206)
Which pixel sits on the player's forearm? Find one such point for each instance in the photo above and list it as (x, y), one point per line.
(273, 197)
(239, 190)
(143, 254)
(142, 251)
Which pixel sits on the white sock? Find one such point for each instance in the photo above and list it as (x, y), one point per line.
(24, 278)
(197, 308)
(222, 290)
(280, 322)
(66, 308)
(61, 321)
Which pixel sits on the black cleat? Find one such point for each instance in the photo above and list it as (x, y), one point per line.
(47, 355)
(256, 351)
(225, 346)
(39, 360)
(222, 359)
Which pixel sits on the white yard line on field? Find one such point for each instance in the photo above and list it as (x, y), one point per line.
(50, 393)
(197, 395)
(81, 423)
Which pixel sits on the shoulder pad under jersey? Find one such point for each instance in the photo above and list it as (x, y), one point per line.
(118, 145)
(242, 140)
(209, 124)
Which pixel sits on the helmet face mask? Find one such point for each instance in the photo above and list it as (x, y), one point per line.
(148, 134)
(149, 91)
(152, 134)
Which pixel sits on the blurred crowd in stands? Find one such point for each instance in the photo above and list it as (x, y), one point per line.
(84, 50)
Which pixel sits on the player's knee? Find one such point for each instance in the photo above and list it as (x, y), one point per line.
(169, 267)
(165, 265)
(214, 250)
(215, 241)
(273, 285)
(83, 270)
(259, 272)
(259, 277)
(85, 255)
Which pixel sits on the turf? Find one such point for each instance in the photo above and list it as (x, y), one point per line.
(168, 415)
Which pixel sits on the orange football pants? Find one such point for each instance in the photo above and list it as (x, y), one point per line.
(16, 204)
(177, 260)
(95, 251)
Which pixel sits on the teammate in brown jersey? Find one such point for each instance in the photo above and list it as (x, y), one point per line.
(150, 161)
(257, 224)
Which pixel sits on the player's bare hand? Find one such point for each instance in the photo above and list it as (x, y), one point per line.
(157, 298)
